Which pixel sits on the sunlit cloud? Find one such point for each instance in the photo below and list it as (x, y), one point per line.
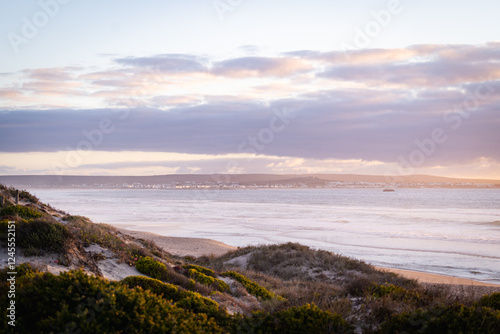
(260, 67)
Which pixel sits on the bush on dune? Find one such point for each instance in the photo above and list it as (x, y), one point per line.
(492, 301)
(75, 302)
(206, 277)
(21, 211)
(155, 269)
(41, 234)
(293, 261)
(304, 319)
(23, 194)
(24, 269)
(91, 233)
(107, 236)
(445, 319)
(252, 287)
(152, 268)
(188, 300)
(36, 236)
(221, 286)
(200, 277)
(203, 270)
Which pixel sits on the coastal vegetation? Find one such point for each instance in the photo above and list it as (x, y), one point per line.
(287, 288)
(76, 302)
(253, 288)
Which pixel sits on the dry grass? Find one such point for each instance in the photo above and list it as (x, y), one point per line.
(126, 248)
(293, 261)
(338, 284)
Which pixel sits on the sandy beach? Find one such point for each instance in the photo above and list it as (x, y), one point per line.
(199, 246)
(423, 277)
(183, 246)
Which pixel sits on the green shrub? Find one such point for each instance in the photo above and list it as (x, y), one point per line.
(445, 319)
(203, 270)
(24, 269)
(158, 270)
(77, 303)
(188, 300)
(492, 301)
(21, 211)
(23, 194)
(168, 291)
(309, 319)
(394, 292)
(4, 226)
(252, 287)
(196, 303)
(221, 285)
(6, 201)
(41, 235)
(200, 277)
(206, 277)
(302, 319)
(152, 268)
(358, 285)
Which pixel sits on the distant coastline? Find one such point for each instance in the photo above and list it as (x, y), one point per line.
(245, 181)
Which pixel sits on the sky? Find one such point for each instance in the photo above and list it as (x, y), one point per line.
(154, 87)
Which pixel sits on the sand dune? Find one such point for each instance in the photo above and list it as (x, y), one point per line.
(198, 247)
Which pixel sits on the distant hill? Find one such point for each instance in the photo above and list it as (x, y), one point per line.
(245, 180)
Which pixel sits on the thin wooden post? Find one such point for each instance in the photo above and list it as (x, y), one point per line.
(17, 197)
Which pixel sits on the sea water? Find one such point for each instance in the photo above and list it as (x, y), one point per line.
(445, 231)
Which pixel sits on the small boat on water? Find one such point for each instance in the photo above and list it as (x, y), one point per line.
(388, 190)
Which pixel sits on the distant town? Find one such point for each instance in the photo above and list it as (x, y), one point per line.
(244, 181)
(234, 185)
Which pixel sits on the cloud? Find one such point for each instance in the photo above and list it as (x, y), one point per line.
(374, 105)
(169, 63)
(52, 74)
(416, 66)
(10, 93)
(288, 74)
(259, 67)
(424, 74)
(343, 124)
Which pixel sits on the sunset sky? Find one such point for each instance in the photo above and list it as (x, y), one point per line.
(239, 86)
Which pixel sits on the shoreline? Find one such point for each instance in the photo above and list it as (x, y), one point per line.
(430, 278)
(197, 247)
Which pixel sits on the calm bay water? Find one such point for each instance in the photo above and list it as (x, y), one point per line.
(445, 231)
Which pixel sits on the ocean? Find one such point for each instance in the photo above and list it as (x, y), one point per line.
(444, 231)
